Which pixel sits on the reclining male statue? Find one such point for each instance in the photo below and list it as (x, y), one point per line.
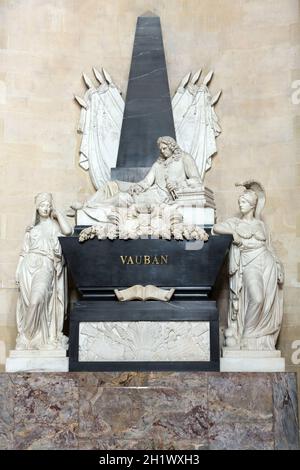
(173, 174)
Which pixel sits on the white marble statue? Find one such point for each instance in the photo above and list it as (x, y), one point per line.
(256, 277)
(102, 108)
(100, 123)
(40, 277)
(195, 120)
(171, 178)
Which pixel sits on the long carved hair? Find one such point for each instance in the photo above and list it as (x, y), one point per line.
(172, 145)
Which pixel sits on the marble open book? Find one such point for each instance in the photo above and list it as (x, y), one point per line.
(139, 292)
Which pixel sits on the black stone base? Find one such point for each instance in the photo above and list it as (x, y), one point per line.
(97, 311)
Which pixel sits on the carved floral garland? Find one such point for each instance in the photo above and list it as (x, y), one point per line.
(143, 222)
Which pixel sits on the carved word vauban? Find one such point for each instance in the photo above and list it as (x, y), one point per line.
(144, 259)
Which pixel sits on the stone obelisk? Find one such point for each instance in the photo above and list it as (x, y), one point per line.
(148, 110)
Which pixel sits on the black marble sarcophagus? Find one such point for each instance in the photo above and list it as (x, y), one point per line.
(99, 267)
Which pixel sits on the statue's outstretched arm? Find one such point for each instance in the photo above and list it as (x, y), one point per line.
(222, 228)
(227, 228)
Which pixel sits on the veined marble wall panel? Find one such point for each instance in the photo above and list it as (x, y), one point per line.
(148, 411)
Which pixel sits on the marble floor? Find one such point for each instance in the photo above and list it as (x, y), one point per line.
(162, 410)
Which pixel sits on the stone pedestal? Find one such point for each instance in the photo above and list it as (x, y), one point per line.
(195, 215)
(37, 361)
(151, 335)
(251, 361)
